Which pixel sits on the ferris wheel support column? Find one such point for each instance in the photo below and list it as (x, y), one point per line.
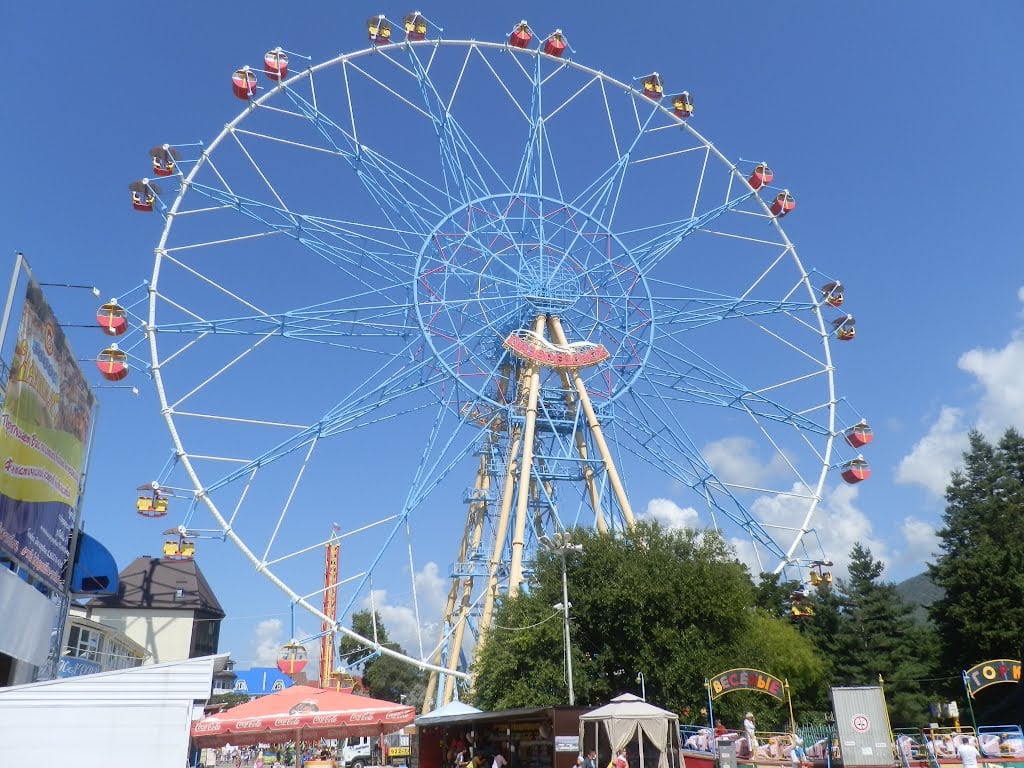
(476, 519)
(449, 610)
(500, 531)
(555, 325)
(581, 448)
(515, 573)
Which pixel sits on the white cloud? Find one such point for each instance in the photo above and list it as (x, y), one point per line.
(999, 405)
(670, 515)
(837, 524)
(998, 372)
(734, 462)
(920, 540)
(267, 642)
(400, 620)
(935, 456)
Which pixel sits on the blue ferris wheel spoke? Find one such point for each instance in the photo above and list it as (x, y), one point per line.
(666, 236)
(316, 324)
(445, 450)
(404, 197)
(675, 315)
(601, 197)
(690, 377)
(358, 255)
(465, 168)
(378, 404)
(657, 440)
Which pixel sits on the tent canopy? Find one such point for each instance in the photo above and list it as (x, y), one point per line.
(455, 707)
(629, 720)
(301, 712)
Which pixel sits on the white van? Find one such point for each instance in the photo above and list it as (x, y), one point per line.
(356, 752)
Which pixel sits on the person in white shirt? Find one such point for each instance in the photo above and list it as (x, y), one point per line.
(499, 761)
(748, 727)
(968, 753)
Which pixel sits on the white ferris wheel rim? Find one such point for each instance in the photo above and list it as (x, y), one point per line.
(167, 410)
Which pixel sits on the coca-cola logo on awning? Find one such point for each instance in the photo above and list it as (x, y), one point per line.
(253, 724)
(206, 727)
(361, 717)
(325, 719)
(400, 715)
(284, 722)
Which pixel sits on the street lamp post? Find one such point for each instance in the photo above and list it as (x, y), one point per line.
(643, 685)
(561, 545)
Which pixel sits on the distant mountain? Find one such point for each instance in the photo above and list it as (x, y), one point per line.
(919, 592)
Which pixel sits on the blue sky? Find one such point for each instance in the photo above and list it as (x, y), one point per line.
(895, 126)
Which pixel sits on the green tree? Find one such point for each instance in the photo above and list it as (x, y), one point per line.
(778, 646)
(674, 605)
(980, 565)
(384, 677)
(773, 595)
(877, 636)
(230, 699)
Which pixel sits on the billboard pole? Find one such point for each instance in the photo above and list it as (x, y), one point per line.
(19, 262)
(57, 643)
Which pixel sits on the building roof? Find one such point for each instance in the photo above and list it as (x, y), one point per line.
(260, 681)
(153, 583)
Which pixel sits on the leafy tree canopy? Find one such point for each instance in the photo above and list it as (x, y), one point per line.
(981, 560)
(673, 605)
(384, 677)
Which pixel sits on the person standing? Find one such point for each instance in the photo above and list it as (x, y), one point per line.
(620, 759)
(499, 760)
(590, 761)
(968, 753)
(748, 728)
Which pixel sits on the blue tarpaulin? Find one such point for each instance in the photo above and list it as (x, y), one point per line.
(95, 571)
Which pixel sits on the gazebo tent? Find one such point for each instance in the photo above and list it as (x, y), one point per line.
(650, 735)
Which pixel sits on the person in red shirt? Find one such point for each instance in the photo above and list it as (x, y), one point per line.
(620, 759)
(720, 730)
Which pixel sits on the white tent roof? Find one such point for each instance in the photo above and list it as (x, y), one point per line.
(451, 708)
(628, 706)
(628, 719)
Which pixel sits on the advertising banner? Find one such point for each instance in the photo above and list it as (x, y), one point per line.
(44, 426)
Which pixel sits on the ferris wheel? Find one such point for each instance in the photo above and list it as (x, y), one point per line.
(441, 301)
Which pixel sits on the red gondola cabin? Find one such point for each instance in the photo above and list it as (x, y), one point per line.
(164, 159)
(856, 470)
(653, 86)
(379, 30)
(859, 434)
(112, 318)
(415, 26)
(143, 195)
(782, 204)
(275, 65)
(521, 35)
(832, 293)
(243, 83)
(292, 658)
(555, 45)
(112, 363)
(762, 175)
(682, 105)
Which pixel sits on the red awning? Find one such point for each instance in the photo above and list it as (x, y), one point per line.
(310, 712)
